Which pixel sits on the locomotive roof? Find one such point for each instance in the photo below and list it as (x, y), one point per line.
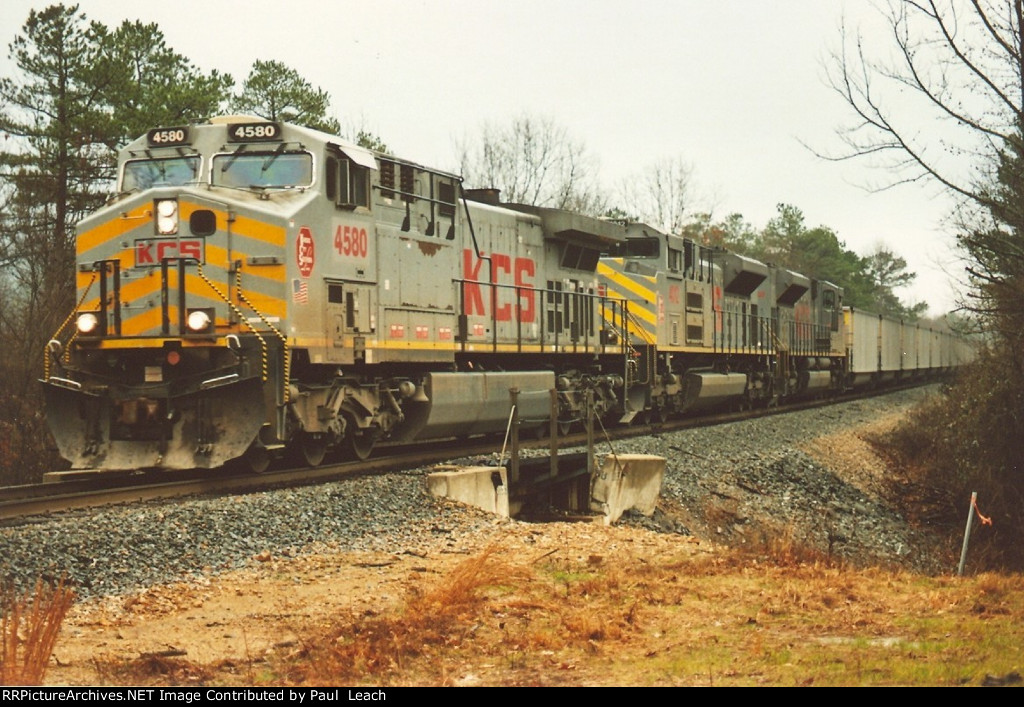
(570, 225)
(358, 154)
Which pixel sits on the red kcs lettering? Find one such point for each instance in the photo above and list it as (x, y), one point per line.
(153, 252)
(522, 271)
(524, 268)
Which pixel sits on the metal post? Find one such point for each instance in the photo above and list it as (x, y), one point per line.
(553, 437)
(967, 534)
(514, 472)
(590, 431)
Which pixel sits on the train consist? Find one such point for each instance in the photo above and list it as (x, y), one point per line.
(257, 288)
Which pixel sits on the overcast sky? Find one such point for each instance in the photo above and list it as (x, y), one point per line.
(733, 87)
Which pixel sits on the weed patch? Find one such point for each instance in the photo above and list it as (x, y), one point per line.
(29, 627)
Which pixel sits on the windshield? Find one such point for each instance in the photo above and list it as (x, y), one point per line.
(636, 248)
(171, 171)
(263, 169)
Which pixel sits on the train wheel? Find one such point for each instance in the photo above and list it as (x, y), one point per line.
(256, 458)
(310, 448)
(358, 445)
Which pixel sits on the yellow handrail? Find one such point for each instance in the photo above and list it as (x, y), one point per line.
(285, 392)
(60, 330)
(241, 318)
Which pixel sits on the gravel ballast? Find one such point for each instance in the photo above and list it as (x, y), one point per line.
(730, 483)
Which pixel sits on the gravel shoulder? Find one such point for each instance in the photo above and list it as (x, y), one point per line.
(237, 578)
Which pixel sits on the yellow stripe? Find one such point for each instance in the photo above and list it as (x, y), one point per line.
(153, 343)
(259, 230)
(131, 290)
(117, 226)
(633, 329)
(114, 228)
(477, 346)
(217, 256)
(158, 342)
(146, 321)
(268, 306)
(241, 225)
(702, 349)
(635, 310)
(152, 319)
(628, 282)
(620, 268)
(271, 273)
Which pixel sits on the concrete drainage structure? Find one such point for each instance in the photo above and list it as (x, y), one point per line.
(623, 482)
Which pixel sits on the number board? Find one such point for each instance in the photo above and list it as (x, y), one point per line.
(167, 137)
(253, 132)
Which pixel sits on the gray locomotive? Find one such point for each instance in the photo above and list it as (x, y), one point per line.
(256, 287)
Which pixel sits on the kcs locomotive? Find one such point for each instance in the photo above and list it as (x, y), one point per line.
(256, 287)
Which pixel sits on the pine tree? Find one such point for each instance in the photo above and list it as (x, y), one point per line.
(277, 92)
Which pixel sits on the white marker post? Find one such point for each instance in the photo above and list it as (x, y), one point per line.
(967, 534)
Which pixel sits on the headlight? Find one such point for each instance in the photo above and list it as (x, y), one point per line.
(87, 323)
(198, 320)
(166, 216)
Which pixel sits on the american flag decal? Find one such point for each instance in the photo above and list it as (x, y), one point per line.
(300, 291)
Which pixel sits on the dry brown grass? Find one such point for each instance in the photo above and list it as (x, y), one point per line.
(29, 627)
(968, 439)
(157, 669)
(375, 647)
(582, 606)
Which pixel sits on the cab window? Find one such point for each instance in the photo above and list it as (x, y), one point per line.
(171, 171)
(274, 169)
(347, 184)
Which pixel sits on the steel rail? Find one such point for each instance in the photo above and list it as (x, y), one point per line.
(20, 504)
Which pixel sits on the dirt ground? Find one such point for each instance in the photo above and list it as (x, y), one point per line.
(236, 628)
(242, 620)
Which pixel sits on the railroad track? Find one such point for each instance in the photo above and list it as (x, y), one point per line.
(21, 504)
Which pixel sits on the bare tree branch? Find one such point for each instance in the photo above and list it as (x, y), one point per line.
(532, 161)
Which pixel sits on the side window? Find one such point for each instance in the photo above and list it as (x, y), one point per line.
(675, 259)
(446, 195)
(407, 183)
(347, 184)
(387, 179)
(331, 182)
(829, 300)
(360, 178)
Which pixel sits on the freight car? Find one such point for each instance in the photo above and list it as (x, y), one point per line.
(883, 349)
(257, 288)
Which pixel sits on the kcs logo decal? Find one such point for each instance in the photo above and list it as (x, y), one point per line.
(153, 251)
(305, 255)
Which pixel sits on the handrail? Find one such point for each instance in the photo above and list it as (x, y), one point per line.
(286, 390)
(60, 330)
(241, 318)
